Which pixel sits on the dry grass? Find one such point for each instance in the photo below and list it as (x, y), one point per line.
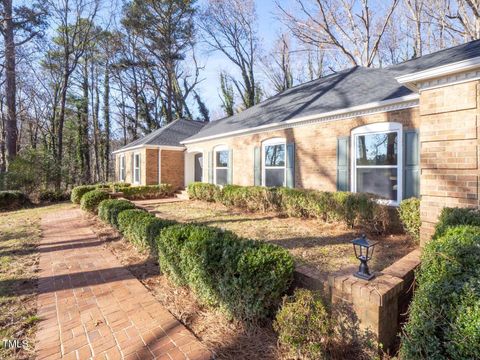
(19, 237)
(325, 246)
(226, 338)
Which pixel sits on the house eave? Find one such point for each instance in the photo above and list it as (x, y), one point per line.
(137, 147)
(399, 103)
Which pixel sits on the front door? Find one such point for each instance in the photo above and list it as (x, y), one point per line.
(198, 167)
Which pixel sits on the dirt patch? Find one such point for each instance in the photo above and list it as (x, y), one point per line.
(227, 339)
(19, 237)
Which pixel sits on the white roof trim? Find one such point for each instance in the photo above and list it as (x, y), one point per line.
(439, 71)
(163, 147)
(403, 102)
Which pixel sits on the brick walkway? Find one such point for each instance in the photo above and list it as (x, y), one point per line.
(92, 307)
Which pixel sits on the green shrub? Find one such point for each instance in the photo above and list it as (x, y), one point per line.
(141, 228)
(91, 199)
(147, 192)
(303, 325)
(79, 191)
(444, 319)
(409, 213)
(117, 186)
(13, 199)
(53, 196)
(245, 278)
(109, 209)
(252, 198)
(203, 191)
(451, 217)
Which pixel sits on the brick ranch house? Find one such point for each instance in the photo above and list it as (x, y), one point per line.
(406, 130)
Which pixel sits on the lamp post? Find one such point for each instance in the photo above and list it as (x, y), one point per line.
(363, 251)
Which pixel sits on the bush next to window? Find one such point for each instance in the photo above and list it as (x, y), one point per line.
(108, 210)
(451, 217)
(79, 191)
(117, 186)
(203, 191)
(409, 213)
(252, 198)
(141, 228)
(147, 192)
(243, 277)
(303, 325)
(13, 199)
(444, 321)
(91, 199)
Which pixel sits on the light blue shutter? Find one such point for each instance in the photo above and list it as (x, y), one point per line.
(257, 171)
(133, 168)
(343, 164)
(290, 166)
(230, 167)
(210, 167)
(411, 169)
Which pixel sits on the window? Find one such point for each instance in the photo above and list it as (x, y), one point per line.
(377, 161)
(136, 168)
(122, 168)
(221, 165)
(274, 162)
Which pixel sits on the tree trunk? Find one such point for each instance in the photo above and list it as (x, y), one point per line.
(11, 123)
(106, 113)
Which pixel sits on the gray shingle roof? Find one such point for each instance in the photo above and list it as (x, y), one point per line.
(345, 89)
(169, 135)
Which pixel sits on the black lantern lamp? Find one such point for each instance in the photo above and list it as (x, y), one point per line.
(363, 251)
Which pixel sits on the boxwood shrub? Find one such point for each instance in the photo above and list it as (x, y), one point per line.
(444, 319)
(79, 191)
(451, 217)
(146, 192)
(91, 199)
(141, 228)
(109, 209)
(13, 199)
(204, 191)
(245, 278)
(252, 198)
(409, 213)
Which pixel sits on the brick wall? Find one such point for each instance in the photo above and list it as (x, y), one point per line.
(315, 148)
(449, 150)
(172, 165)
(151, 166)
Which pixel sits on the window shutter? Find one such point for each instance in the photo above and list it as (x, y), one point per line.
(230, 167)
(257, 163)
(140, 169)
(343, 164)
(133, 168)
(210, 167)
(290, 166)
(411, 169)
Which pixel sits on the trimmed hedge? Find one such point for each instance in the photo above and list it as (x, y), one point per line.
(451, 217)
(146, 192)
(13, 199)
(245, 278)
(350, 208)
(92, 199)
(409, 213)
(141, 228)
(79, 191)
(109, 209)
(444, 321)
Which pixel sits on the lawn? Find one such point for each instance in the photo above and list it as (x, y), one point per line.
(325, 246)
(19, 237)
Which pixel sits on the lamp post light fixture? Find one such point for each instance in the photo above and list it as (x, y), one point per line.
(363, 251)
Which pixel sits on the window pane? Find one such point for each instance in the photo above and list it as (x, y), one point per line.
(275, 155)
(222, 158)
(221, 176)
(377, 149)
(274, 177)
(381, 182)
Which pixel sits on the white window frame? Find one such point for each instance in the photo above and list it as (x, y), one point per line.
(216, 149)
(136, 166)
(122, 166)
(271, 142)
(379, 128)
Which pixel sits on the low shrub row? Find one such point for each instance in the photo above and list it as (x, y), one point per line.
(79, 191)
(245, 278)
(13, 199)
(92, 199)
(350, 208)
(108, 210)
(146, 192)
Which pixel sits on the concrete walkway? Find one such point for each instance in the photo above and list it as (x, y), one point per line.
(92, 307)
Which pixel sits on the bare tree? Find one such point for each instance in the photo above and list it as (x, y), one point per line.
(352, 28)
(229, 26)
(278, 64)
